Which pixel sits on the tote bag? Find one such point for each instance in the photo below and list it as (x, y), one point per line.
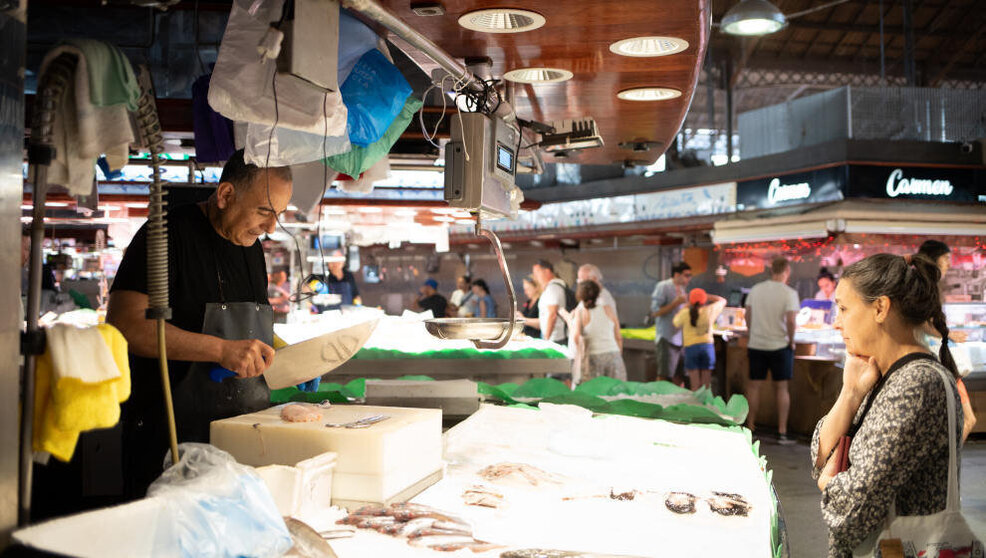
(941, 534)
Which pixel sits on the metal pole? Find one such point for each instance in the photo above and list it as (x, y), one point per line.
(909, 69)
(377, 13)
(30, 359)
(883, 59)
(729, 110)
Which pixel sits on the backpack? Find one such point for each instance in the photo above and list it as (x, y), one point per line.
(570, 301)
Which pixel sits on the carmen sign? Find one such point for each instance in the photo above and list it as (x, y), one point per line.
(898, 184)
(777, 192)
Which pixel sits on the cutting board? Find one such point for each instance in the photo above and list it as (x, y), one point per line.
(373, 465)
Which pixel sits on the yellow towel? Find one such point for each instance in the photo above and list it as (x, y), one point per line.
(70, 405)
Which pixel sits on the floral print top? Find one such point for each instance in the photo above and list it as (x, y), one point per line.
(899, 454)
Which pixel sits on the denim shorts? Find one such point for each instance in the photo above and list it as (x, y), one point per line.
(700, 357)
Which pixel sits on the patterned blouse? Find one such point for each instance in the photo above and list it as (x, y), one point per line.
(900, 453)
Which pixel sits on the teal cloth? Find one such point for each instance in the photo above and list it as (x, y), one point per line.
(111, 77)
(357, 160)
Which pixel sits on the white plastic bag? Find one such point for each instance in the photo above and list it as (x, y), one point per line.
(364, 183)
(243, 82)
(289, 147)
(218, 508)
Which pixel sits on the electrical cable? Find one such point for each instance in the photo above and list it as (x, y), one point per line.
(815, 9)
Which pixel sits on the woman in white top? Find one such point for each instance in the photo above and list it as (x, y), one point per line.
(597, 325)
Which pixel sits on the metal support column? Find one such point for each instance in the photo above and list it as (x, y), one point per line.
(13, 41)
(727, 76)
(910, 71)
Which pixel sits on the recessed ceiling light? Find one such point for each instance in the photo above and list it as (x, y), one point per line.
(649, 46)
(649, 94)
(538, 75)
(502, 20)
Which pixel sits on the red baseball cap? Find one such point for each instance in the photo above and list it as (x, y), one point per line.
(697, 296)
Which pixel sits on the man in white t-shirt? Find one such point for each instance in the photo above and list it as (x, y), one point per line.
(551, 303)
(462, 303)
(771, 309)
(589, 272)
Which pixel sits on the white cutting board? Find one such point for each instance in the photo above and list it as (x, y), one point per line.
(373, 463)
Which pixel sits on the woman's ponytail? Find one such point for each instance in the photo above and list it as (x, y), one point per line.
(693, 314)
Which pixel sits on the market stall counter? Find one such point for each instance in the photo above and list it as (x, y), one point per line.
(401, 346)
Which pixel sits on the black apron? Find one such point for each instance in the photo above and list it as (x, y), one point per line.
(199, 400)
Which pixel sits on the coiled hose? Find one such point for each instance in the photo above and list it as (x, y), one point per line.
(157, 250)
(51, 94)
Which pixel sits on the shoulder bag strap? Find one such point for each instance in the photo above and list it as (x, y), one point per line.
(952, 503)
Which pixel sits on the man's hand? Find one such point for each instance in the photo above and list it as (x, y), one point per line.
(679, 300)
(249, 358)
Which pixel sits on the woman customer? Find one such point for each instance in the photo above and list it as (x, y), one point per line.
(941, 254)
(597, 325)
(529, 312)
(892, 402)
(826, 285)
(485, 307)
(696, 323)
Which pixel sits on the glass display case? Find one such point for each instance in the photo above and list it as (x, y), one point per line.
(969, 319)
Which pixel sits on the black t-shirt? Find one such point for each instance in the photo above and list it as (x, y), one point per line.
(530, 310)
(197, 257)
(332, 283)
(436, 303)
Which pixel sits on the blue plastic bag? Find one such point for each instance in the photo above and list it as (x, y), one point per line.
(374, 94)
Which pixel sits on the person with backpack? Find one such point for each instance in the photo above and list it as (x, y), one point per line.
(554, 299)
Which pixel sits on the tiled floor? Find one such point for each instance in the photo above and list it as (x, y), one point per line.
(799, 496)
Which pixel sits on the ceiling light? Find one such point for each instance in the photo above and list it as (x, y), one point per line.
(292, 207)
(649, 46)
(538, 75)
(56, 204)
(649, 94)
(751, 18)
(406, 212)
(136, 205)
(27, 207)
(502, 20)
(371, 209)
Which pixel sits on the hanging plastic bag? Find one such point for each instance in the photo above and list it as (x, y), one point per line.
(289, 147)
(243, 81)
(364, 184)
(374, 94)
(218, 508)
(357, 160)
(355, 40)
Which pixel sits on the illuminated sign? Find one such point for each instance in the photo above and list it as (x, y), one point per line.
(898, 184)
(777, 192)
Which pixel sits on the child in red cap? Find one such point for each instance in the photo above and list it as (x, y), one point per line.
(696, 323)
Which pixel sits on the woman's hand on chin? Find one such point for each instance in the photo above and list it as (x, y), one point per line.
(860, 375)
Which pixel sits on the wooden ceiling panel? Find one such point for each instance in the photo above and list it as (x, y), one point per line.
(576, 37)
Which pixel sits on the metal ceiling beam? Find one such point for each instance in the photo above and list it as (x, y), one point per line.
(869, 29)
(875, 30)
(845, 34)
(956, 56)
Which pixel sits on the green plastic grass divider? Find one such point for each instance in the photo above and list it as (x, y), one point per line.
(470, 353)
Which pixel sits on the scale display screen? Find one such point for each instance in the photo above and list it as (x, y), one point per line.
(504, 158)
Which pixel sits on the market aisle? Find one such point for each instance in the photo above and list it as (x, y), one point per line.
(799, 495)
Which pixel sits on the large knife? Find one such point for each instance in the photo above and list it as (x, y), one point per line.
(300, 362)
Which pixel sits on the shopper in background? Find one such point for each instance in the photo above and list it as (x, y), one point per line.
(279, 295)
(771, 308)
(550, 303)
(529, 312)
(589, 272)
(430, 299)
(941, 254)
(462, 303)
(485, 305)
(696, 323)
(899, 453)
(596, 323)
(340, 280)
(668, 298)
(826, 285)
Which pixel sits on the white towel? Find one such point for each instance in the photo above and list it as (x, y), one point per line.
(80, 353)
(81, 131)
